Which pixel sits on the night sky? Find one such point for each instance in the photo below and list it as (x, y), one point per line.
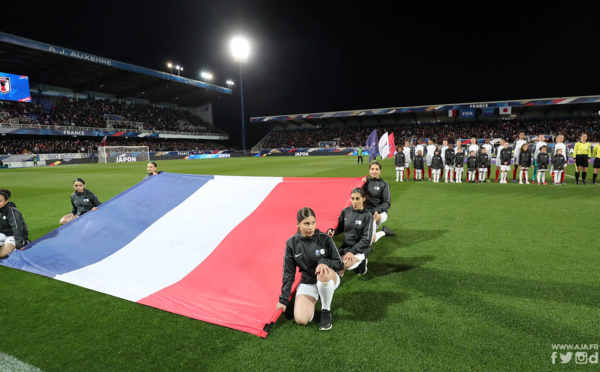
(311, 57)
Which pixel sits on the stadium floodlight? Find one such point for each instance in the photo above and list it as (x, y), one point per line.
(240, 49)
(229, 83)
(179, 69)
(170, 66)
(206, 76)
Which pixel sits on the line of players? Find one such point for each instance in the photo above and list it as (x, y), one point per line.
(477, 160)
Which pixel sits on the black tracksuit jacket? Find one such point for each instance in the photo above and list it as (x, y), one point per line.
(357, 226)
(12, 224)
(449, 156)
(543, 160)
(378, 195)
(558, 162)
(505, 156)
(459, 159)
(307, 253)
(83, 202)
(400, 159)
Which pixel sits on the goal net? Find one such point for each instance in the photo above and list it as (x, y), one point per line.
(123, 154)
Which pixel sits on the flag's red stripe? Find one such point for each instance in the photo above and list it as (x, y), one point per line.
(238, 285)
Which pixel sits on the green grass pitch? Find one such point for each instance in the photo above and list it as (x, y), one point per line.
(481, 277)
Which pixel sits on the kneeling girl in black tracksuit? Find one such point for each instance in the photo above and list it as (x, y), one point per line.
(13, 230)
(318, 260)
(82, 200)
(378, 199)
(356, 224)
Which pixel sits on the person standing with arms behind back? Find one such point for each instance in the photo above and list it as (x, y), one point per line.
(359, 159)
(558, 164)
(429, 156)
(596, 156)
(400, 162)
(499, 158)
(560, 145)
(407, 158)
(518, 145)
(582, 154)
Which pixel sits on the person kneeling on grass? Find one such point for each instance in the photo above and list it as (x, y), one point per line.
(378, 199)
(152, 169)
(13, 229)
(82, 200)
(318, 260)
(357, 226)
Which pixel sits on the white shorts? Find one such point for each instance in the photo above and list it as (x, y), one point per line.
(7, 239)
(505, 168)
(483, 170)
(449, 167)
(399, 168)
(312, 290)
(407, 165)
(429, 161)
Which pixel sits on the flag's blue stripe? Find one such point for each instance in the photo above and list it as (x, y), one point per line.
(83, 242)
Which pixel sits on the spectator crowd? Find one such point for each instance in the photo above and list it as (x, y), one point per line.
(53, 146)
(94, 113)
(438, 132)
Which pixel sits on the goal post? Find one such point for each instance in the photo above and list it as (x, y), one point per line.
(123, 154)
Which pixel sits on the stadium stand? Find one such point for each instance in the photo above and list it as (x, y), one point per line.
(77, 98)
(103, 114)
(352, 137)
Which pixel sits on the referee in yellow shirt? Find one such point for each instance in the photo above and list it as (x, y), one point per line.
(582, 153)
(596, 156)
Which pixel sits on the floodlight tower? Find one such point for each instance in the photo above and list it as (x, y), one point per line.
(240, 49)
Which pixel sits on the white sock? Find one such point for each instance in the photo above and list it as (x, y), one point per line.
(521, 176)
(326, 290)
(402, 175)
(379, 235)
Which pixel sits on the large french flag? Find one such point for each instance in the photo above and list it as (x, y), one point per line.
(206, 247)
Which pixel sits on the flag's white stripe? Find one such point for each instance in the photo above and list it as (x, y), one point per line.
(172, 247)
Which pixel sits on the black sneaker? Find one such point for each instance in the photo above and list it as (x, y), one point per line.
(577, 182)
(1, 258)
(362, 268)
(387, 231)
(583, 182)
(325, 320)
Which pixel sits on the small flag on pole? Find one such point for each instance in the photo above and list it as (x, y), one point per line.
(372, 145)
(384, 146)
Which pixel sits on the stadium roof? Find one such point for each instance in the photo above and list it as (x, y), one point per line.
(58, 66)
(432, 111)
